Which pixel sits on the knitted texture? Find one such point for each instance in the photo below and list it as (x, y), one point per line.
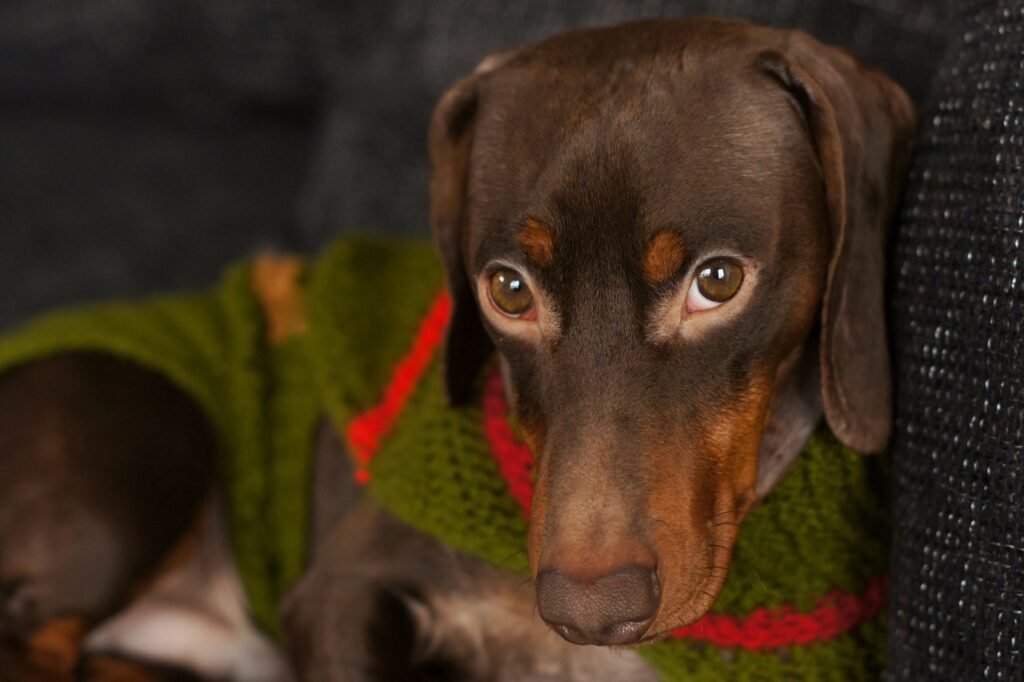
(365, 431)
(764, 628)
(260, 401)
(958, 324)
(515, 460)
(366, 299)
(821, 530)
(823, 527)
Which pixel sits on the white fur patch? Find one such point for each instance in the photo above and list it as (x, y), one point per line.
(195, 616)
(493, 630)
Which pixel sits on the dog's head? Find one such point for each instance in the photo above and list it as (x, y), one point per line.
(674, 235)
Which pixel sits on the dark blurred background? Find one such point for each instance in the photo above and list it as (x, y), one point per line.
(145, 143)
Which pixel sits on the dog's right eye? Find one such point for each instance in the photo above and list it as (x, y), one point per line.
(716, 282)
(509, 293)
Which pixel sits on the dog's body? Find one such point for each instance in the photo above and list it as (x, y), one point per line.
(672, 232)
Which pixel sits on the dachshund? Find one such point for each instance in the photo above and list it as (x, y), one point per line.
(671, 234)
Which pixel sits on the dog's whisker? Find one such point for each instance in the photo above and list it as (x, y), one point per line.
(508, 558)
(725, 523)
(524, 584)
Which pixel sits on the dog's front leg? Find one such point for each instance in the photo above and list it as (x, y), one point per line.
(352, 616)
(384, 602)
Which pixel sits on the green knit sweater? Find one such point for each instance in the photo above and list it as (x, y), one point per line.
(823, 529)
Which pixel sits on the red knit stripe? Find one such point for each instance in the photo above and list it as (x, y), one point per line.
(514, 459)
(834, 614)
(365, 432)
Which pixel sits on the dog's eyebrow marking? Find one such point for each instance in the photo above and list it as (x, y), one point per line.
(664, 256)
(536, 241)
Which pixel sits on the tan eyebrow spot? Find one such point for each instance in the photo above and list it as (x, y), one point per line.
(664, 256)
(535, 239)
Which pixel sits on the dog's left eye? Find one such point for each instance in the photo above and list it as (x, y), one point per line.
(716, 282)
(509, 292)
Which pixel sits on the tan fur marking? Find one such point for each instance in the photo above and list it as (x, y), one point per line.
(57, 645)
(736, 434)
(276, 280)
(535, 239)
(664, 256)
(701, 505)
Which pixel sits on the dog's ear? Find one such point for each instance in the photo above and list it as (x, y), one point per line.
(861, 125)
(452, 125)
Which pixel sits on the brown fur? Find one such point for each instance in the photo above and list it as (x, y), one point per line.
(717, 138)
(607, 164)
(102, 470)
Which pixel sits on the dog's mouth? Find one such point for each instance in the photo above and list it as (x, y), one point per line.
(694, 608)
(675, 613)
(635, 604)
(624, 558)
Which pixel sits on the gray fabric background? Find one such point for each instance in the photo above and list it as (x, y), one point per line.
(957, 321)
(144, 143)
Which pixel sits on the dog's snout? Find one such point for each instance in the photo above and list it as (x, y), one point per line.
(615, 608)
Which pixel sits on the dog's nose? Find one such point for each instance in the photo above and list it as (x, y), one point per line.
(615, 608)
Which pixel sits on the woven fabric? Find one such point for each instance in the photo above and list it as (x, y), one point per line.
(957, 608)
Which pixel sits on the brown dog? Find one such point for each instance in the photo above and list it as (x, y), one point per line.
(674, 235)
